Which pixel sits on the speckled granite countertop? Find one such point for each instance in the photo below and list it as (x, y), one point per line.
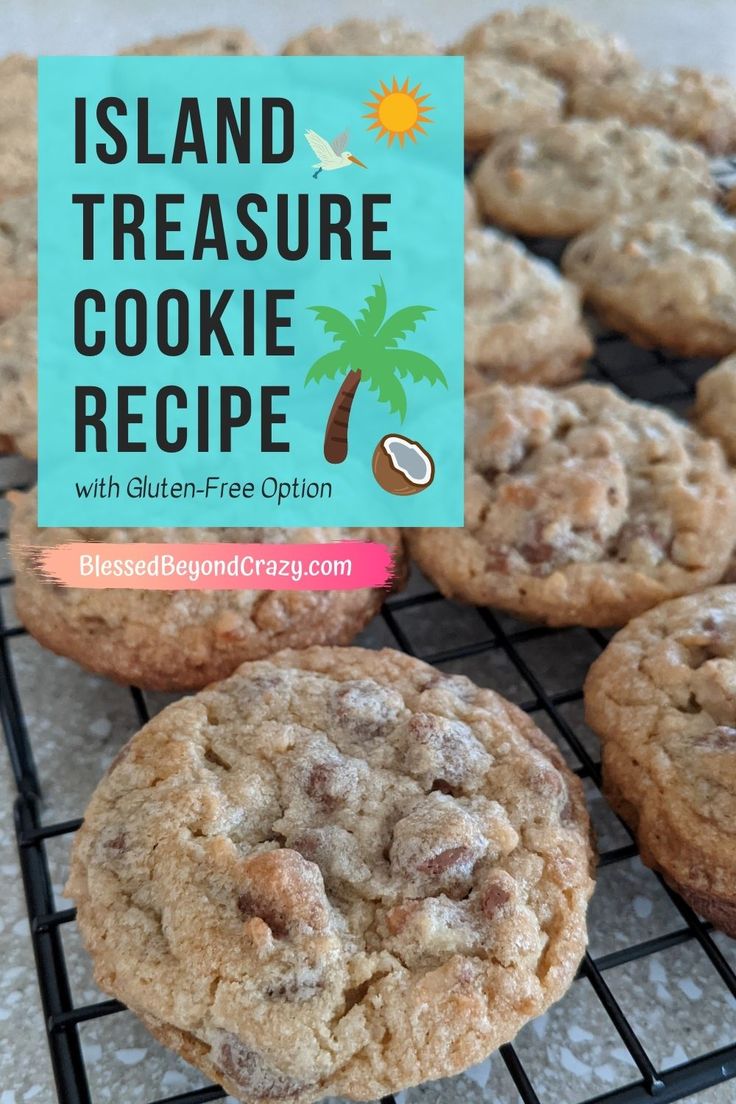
(77, 722)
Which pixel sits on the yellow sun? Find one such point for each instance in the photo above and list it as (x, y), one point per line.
(398, 112)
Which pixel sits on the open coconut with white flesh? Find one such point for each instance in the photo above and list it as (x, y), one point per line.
(402, 466)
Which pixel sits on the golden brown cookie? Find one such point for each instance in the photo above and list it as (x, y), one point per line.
(662, 698)
(339, 872)
(665, 276)
(181, 640)
(581, 507)
(563, 178)
(522, 319)
(551, 40)
(684, 103)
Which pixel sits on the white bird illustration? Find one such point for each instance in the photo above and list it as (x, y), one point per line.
(331, 155)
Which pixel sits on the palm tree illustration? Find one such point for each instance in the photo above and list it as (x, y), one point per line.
(368, 352)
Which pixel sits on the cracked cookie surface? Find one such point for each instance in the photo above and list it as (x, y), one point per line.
(664, 277)
(581, 507)
(361, 37)
(563, 178)
(550, 40)
(684, 103)
(337, 872)
(181, 640)
(522, 319)
(662, 698)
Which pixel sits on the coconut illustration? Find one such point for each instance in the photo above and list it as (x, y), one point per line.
(402, 466)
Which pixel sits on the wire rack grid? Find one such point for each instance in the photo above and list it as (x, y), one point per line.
(639, 373)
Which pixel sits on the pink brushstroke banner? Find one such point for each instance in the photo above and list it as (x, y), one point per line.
(341, 565)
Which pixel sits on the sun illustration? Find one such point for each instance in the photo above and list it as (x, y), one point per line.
(398, 112)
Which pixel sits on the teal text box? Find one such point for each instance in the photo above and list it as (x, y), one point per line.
(249, 485)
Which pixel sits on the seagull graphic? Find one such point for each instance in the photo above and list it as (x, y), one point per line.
(331, 155)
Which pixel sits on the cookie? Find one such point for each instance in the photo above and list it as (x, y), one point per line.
(715, 405)
(564, 178)
(661, 698)
(550, 40)
(337, 872)
(19, 406)
(181, 640)
(210, 42)
(684, 103)
(522, 319)
(581, 507)
(361, 37)
(18, 138)
(503, 95)
(664, 277)
(18, 250)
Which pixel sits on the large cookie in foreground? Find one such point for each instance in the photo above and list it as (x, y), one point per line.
(337, 872)
(181, 640)
(582, 507)
(662, 698)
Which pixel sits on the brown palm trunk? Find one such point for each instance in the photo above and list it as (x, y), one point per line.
(336, 433)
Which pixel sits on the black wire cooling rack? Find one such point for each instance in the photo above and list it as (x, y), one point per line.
(639, 373)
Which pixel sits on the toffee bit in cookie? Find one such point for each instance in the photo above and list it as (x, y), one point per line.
(285, 891)
(444, 753)
(248, 1070)
(437, 844)
(364, 709)
(495, 892)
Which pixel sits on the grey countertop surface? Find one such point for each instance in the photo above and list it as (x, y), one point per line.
(77, 722)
